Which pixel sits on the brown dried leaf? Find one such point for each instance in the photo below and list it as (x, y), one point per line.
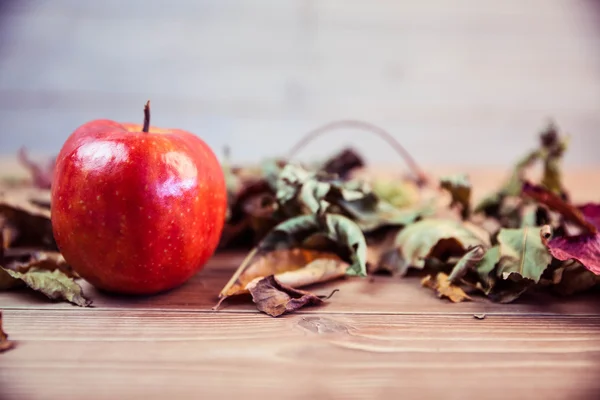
(56, 285)
(278, 262)
(444, 288)
(22, 259)
(275, 299)
(5, 344)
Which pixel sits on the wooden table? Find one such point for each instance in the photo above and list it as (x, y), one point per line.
(380, 338)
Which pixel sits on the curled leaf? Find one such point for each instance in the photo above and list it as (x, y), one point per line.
(343, 163)
(275, 299)
(444, 288)
(460, 190)
(56, 285)
(583, 248)
(523, 253)
(338, 231)
(575, 278)
(434, 238)
(281, 263)
(467, 262)
(5, 344)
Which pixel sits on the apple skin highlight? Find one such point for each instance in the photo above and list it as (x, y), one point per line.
(137, 212)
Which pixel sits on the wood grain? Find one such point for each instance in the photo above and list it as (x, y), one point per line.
(380, 295)
(116, 354)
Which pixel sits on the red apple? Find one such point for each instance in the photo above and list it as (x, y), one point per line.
(137, 210)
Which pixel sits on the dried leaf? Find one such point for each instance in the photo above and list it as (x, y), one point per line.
(343, 163)
(319, 270)
(22, 259)
(552, 201)
(486, 267)
(279, 262)
(460, 190)
(337, 229)
(575, 278)
(434, 238)
(397, 193)
(5, 344)
(550, 152)
(444, 288)
(467, 262)
(523, 253)
(583, 248)
(275, 299)
(54, 284)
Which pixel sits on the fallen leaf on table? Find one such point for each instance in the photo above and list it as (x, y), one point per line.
(56, 285)
(552, 201)
(336, 230)
(467, 262)
(275, 299)
(281, 261)
(319, 270)
(297, 243)
(575, 278)
(22, 259)
(5, 344)
(434, 238)
(523, 253)
(486, 267)
(459, 188)
(508, 269)
(444, 288)
(584, 248)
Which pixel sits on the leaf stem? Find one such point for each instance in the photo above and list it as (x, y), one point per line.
(146, 127)
(310, 136)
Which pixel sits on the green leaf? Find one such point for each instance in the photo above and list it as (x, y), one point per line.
(435, 238)
(467, 262)
(522, 253)
(338, 230)
(460, 190)
(397, 193)
(485, 268)
(56, 285)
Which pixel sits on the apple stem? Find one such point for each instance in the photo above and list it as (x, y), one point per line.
(146, 127)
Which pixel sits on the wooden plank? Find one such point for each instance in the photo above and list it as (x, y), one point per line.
(115, 354)
(356, 296)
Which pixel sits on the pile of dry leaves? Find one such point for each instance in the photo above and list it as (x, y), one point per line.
(305, 224)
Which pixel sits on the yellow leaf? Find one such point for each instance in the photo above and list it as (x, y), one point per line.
(444, 288)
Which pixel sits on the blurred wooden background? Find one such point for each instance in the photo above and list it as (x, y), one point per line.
(457, 82)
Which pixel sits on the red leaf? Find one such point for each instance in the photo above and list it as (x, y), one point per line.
(583, 248)
(591, 213)
(552, 201)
